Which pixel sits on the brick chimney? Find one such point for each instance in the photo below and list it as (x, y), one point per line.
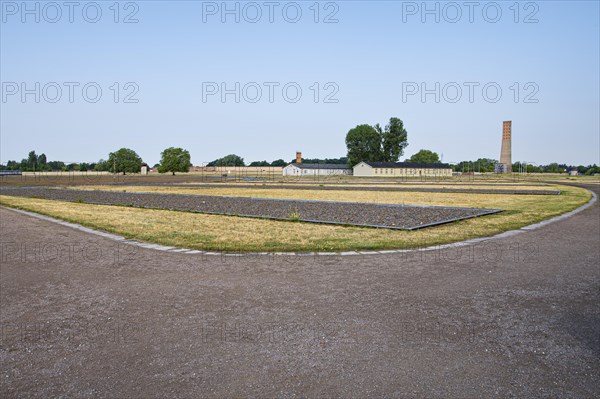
(298, 157)
(506, 150)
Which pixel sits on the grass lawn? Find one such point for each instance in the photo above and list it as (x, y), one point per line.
(237, 234)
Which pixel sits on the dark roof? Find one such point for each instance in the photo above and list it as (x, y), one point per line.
(414, 165)
(320, 166)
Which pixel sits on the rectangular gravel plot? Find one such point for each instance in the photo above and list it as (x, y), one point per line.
(390, 216)
(449, 190)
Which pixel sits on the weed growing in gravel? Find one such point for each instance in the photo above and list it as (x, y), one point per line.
(294, 215)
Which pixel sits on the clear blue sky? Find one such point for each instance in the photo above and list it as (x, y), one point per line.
(370, 54)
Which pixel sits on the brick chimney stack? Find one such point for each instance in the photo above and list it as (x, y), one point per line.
(298, 157)
(506, 150)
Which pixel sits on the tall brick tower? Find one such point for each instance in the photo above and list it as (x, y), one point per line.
(506, 151)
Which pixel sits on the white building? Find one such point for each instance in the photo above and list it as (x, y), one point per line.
(402, 169)
(316, 169)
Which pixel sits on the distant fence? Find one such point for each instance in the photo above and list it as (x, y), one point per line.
(66, 173)
(10, 173)
(236, 169)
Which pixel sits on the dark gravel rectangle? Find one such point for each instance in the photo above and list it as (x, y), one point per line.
(350, 188)
(389, 216)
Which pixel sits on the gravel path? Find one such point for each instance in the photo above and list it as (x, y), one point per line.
(348, 213)
(349, 188)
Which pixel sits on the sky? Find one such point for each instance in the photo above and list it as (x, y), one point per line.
(266, 79)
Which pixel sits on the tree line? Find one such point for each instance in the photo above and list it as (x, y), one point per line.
(174, 160)
(364, 143)
(126, 160)
(236, 160)
(486, 165)
(123, 161)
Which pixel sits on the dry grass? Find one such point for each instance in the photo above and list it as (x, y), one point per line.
(235, 234)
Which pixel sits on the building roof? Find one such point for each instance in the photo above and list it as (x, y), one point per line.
(414, 165)
(320, 166)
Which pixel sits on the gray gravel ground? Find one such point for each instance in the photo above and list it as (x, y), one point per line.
(518, 316)
(350, 188)
(348, 213)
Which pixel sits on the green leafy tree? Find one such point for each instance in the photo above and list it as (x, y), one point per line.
(425, 156)
(394, 139)
(124, 161)
(56, 165)
(174, 160)
(31, 160)
(42, 160)
(554, 168)
(278, 162)
(259, 163)
(593, 169)
(373, 143)
(228, 160)
(482, 165)
(336, 161)
(102, 166)
(364, 144)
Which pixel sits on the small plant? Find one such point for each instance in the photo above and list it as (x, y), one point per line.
(294, 215)
(79, 200)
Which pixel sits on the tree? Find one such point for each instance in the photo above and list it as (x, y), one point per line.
(42, 162)
(102, 166)
(425, 156)
(31, 160)
(483, 165)
(174, 160)
(372, 143)
(278, 162)
(56, 165)
(228, 160)
(364, 144)
(336, 161)
(592, 170)
(394, 139)
(554, 168)
(124, 161)
(259, 163)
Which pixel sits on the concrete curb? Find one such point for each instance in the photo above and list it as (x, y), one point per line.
(164, 248)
